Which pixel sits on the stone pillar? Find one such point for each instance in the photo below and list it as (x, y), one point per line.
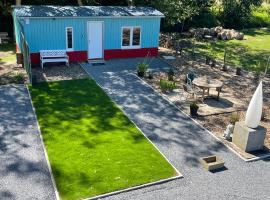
(248, 139)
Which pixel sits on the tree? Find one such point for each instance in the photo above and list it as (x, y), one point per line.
(178, 11)
(237, 12)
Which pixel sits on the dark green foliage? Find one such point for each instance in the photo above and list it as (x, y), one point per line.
(205, 18)
(237, 13)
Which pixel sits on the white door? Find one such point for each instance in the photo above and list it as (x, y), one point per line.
(95, 40)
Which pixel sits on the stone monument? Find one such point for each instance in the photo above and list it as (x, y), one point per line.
(249, 135)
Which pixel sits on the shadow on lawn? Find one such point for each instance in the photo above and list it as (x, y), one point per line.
(61, 101)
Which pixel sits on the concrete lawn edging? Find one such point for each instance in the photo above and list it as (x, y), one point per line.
(195, 121)
(134, 188)
(44, 148)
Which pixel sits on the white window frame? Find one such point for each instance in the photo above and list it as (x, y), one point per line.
(69, 49)
(131, 38)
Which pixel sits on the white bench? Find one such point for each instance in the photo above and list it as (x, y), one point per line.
(47, 56)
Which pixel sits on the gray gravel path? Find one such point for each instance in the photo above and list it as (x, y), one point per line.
(24, 173)
(181, 140)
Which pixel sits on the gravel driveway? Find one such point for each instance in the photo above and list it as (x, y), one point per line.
(181, 140)
(24, 173)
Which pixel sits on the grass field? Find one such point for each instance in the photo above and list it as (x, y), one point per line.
(7, 52)
(247, 53)
(92, 146)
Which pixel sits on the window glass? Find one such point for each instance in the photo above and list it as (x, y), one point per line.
(136, 36)
(126, 37)
(69, 38)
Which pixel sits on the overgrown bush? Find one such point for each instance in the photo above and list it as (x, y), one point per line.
(166, 85)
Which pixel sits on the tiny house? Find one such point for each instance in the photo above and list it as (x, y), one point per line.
(88, 32)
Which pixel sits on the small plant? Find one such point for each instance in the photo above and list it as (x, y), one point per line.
(194, 109)
(142, 68)
(238, 71)
(170, 74)
(166, 86)
(18, 77)
(235, 116)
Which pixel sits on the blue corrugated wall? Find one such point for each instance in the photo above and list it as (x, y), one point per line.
(49, 33)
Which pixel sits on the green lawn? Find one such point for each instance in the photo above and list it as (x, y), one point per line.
(7, 52)
(246, 53)
(92, 146)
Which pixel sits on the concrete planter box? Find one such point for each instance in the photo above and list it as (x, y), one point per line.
(212, 163)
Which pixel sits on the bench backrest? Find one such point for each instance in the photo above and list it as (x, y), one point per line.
(53, 53)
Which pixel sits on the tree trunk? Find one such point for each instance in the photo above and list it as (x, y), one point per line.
(80, 3)
(18, 2)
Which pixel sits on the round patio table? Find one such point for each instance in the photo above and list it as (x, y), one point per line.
(206, 83)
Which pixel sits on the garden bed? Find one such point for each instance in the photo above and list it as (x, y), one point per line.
(58, 72)
(237, 89)
(93, 147)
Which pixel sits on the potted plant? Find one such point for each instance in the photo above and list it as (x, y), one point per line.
(170, 74)
(141, 69)
(238, 71)
(194, 109)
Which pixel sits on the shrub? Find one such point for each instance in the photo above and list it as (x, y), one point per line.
(166, 86)
(235, 116)
(142, 67)
(18, 77)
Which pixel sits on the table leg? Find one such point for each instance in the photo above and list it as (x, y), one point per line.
(208, 91)
(203, 94)
(218, 93)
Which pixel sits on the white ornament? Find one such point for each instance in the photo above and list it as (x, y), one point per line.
(254, 111)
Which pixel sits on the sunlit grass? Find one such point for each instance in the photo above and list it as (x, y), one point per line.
(7, 52)
(248, 53)
(93, 147)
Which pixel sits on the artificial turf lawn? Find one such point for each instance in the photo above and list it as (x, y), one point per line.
(92, 146)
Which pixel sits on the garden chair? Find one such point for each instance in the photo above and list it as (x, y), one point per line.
(189, 78)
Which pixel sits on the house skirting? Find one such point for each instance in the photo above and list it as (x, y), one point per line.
(81, 56)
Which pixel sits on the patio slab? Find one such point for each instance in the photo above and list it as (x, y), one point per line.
(24, 173)
(181, 140)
